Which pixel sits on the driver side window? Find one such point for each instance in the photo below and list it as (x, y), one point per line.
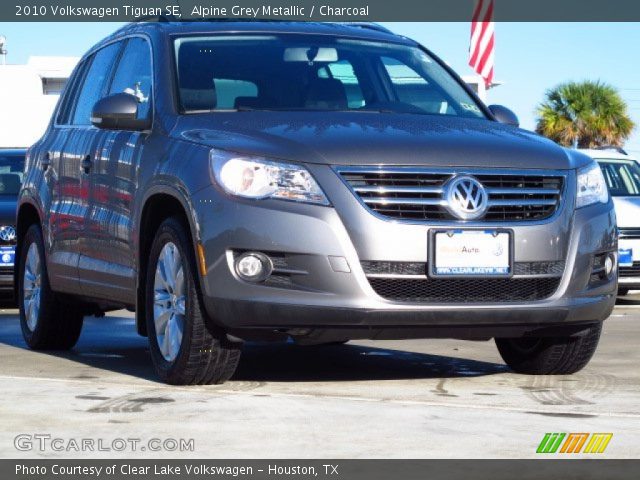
(133, 74)
(94, 83)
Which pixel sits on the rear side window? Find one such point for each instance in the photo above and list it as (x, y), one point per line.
(133, 74)
(70, 93)
(94, 84)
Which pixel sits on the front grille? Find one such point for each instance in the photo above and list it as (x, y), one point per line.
(630, 271)
(7, 235)
(418, 194)
(465, 290)
(381, 268)
(629, 232)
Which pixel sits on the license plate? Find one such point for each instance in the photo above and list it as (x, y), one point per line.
(7, 256)
(471, 253)
(625, 257)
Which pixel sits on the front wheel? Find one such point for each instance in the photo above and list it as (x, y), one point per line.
(550, 355)
(184, 349)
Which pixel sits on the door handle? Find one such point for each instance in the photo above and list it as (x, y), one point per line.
(46, 161)
(86, 164)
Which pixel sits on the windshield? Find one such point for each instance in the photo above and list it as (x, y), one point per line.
(622, 177)
(11, 173)
(309, 73)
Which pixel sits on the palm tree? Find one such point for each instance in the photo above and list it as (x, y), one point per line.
(585, 115)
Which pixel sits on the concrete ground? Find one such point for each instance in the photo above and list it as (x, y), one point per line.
(394, 399)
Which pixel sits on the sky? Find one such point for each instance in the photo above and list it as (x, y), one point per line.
(530, 57)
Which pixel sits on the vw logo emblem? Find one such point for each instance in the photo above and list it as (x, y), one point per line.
(466, 198)
(7, 234)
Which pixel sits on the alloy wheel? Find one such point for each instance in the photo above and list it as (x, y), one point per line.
(169, 303)
(32, 287)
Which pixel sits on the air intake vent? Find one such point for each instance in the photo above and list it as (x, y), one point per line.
(465, 290)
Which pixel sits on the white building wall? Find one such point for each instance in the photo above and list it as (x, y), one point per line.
(28, 96)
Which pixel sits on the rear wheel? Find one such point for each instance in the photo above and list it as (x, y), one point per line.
(550, 355)
(47, 322)
(184, 349)
(623, 291)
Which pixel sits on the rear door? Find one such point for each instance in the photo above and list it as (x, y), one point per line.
(81, 141)
(107, 263)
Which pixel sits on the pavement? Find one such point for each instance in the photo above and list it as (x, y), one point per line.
(391, 399)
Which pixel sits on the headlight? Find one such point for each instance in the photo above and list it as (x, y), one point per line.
(591, 186)
(251, 177)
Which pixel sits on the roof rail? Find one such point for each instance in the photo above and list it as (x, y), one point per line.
(368, 25)
(614, 148)
(157, 18)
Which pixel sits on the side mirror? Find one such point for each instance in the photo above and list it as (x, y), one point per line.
(118, 112)
(504, 115)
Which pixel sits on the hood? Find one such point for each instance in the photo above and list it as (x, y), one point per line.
(347, 138)
(627, 211)
(8, 211)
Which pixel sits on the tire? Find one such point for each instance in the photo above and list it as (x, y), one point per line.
(337, 343)
(622, 291)
(187, 351)
(550, 355)
(47, 323)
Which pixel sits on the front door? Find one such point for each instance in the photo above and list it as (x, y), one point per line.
(107, 264)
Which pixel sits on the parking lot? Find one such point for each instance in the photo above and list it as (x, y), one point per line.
(395, 399)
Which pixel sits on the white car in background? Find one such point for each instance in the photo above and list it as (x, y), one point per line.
(622, 174)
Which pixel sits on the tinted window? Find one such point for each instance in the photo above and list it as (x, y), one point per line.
(433, 97)
(66, 105)
(343, 72)
(228, 92)
(133, 74)
(94, 83)
(11, 173)
(622, 177)
(305, 72)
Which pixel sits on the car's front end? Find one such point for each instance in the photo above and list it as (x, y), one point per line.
(382, 255)
(622, 175)
(343, 201)
(11, 171)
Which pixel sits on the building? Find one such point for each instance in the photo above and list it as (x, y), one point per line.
(476, 82)
(28, 95)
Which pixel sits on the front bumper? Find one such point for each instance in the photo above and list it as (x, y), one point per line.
(319, 295)
(630, 274)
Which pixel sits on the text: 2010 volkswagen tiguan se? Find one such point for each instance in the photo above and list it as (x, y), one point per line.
(320, 182)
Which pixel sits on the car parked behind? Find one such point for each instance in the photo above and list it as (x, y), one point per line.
(622, 174)
(11, 174)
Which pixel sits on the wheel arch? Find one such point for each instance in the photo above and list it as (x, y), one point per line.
(28, 214)
(159, 203)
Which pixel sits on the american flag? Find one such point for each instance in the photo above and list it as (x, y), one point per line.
(481, 51)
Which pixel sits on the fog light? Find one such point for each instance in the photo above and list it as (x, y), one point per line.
(253, 266)
(610, 264)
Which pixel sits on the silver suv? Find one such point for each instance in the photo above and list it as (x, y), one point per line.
(271, 180)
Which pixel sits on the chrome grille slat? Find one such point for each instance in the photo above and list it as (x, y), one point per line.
(400, 189)
(404, 201)
(629, 232)
(521, 203)
(523, 191)
(418, 194)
